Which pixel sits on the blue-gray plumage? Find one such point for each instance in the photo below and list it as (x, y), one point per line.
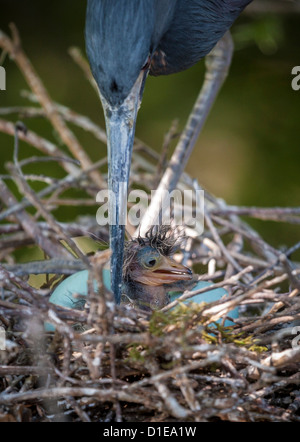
(126, 40)
(196, 27)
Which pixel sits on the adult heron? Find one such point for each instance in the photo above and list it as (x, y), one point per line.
(126, 40)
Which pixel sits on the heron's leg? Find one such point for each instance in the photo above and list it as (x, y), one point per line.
(217, 67)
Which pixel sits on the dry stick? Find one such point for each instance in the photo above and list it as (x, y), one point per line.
(83, 122)
(11, 309)
(171, 403)
(30, 227)
(261, 326)
(11, 370)
(188, 393)
(20, 309)
(258, 392)
(69, 115)
(14, 243)
(25, 111)
(33, 177)
(280, 304)
(101, 395)
(84, 66)
(68, 202)
(86, 228)
(76, 407)
(268, 322)
(289, 269)
(284, 358)
(49, 266)
(42, 145)
(292, 249)
(101, 316)
(170, 135)
(215, 355)
(14, 49)
(221, 245)
(260, 246)
(11, 277)
(236, 245)
(263, 248)
(114, 380)
(265, 213)
(67, 355)
(189, 294)
(255, 262)
(31, 196)
(217, 309)
(217, 63)
(35, 334)
(63, 184)
(88, 125)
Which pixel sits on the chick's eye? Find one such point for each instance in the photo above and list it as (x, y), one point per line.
(148, 258)
(151, 263)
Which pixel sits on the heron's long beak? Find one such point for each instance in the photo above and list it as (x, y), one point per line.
(120, 127)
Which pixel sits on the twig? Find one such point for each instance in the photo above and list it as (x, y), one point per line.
(13, 47)
(31, 196)
(51, 249)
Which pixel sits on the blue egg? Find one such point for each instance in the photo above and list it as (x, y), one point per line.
(210, 296)
(71, 293)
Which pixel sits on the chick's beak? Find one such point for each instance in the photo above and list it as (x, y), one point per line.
(168, 272)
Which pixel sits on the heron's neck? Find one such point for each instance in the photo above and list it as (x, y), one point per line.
(146, 297)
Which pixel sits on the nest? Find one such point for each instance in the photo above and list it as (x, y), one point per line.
(117, 363)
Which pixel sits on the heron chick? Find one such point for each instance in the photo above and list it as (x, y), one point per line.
(150, 271)
(149, 274)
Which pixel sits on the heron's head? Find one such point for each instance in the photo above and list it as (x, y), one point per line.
(121, 37)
